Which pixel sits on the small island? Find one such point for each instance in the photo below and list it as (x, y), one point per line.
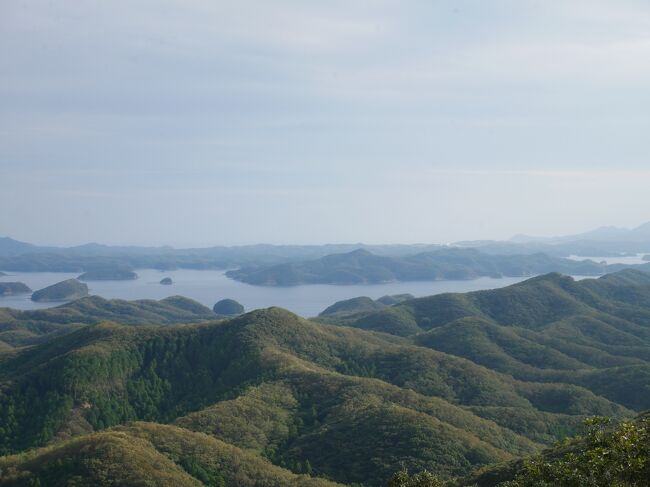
(108, 274)
(166, 281)
(646, 258)
(228, 307)
(454, 263)
(68, 290)
(2, 274)
(11, 288)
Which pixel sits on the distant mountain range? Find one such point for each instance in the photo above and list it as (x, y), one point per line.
(640, 234)
(22, 256)
(603, 242)
(10, 247)
(361, 266)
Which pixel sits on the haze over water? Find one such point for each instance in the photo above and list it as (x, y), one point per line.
(208, 287)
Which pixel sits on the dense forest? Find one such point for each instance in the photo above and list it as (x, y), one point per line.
(468, 387)
(606, 453)
(19, 328)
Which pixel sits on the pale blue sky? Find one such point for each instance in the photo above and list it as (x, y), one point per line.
(196, 122)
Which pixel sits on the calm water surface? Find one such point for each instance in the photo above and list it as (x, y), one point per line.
(208, 287)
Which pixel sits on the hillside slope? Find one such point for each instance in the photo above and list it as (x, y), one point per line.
(20, 328)
(593, 333)
(478, 378)
(605, 454)
(351, 404)
(143, 454)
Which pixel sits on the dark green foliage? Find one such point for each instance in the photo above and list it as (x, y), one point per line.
(385, 437)
(464, 385)
(208, 478)
(347, 311)
(395, 299)
(629, 386)
(421, 479)
(394, 320)
(186, 304)
(114, 374)
(228, 307)
(19, 328)
(145, 454)
(592, 333)
(606, 454)
(352, 306)
(356, 427)
(67, 290)
(152, 376)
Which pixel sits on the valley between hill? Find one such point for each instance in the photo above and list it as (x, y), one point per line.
(448, 384)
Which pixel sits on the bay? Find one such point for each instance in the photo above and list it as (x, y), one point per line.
(209, 286)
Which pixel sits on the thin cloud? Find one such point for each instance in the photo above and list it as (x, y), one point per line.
(452, 109)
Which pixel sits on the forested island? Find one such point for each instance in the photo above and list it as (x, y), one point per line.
(11, 288)
(361, 266)
(228, 307)
(67, 290)
(448, 384)
(108, 274)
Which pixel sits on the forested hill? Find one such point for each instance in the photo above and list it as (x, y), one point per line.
(594, 333)
(606, 454)
(20, 328)
(270, 398)
(361, 266)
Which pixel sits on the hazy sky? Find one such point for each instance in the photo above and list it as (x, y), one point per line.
(196, 122)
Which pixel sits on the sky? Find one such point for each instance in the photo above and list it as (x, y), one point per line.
(209, 122)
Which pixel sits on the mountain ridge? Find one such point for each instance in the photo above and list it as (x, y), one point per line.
(482, 378)
(361, 266)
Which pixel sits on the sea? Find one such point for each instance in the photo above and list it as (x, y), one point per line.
(209, 286)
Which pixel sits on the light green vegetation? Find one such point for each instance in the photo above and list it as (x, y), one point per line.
(458, 382)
